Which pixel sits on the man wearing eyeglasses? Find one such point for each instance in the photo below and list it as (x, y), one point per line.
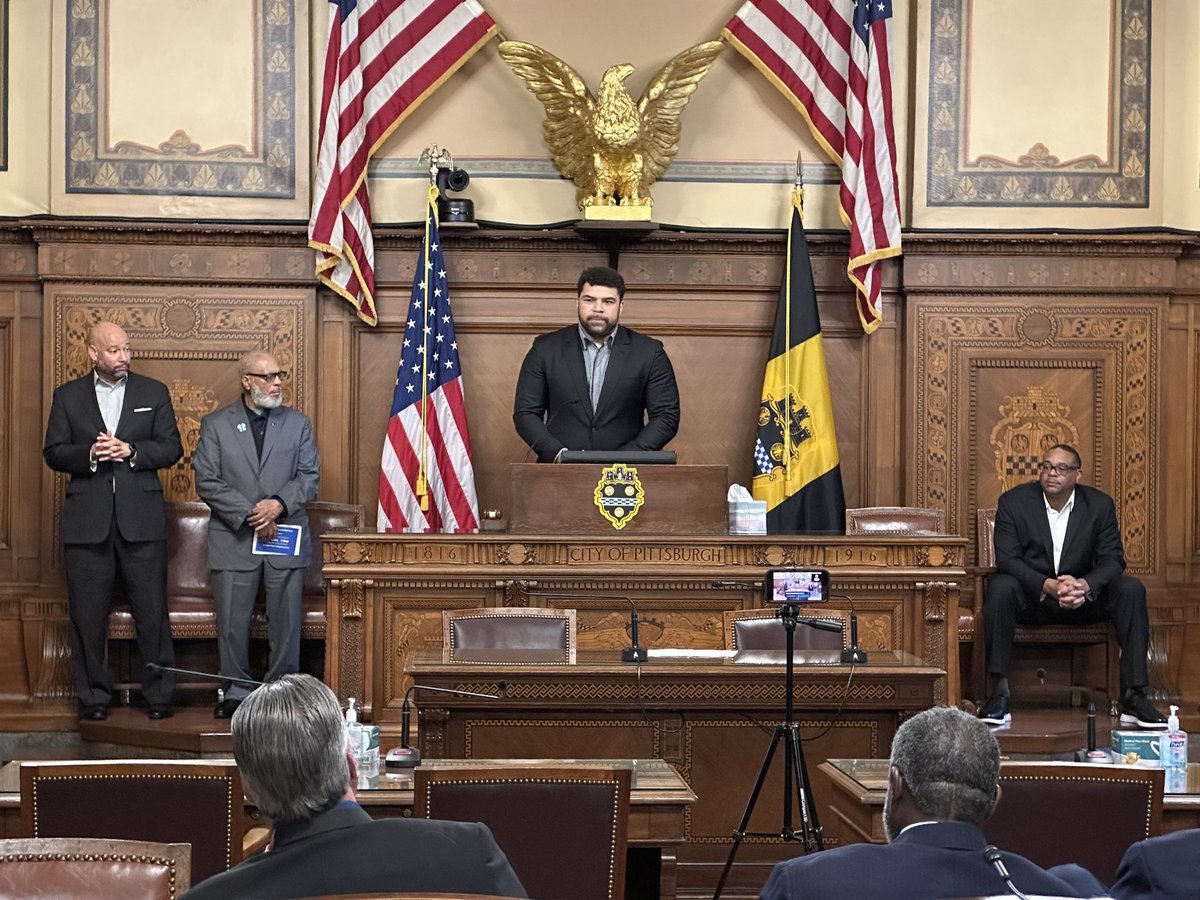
(1059, 560)
(256, 467)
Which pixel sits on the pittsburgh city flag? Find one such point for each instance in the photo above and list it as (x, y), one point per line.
(796, 454)
(426, 481)
(832, 60)
(384, 58)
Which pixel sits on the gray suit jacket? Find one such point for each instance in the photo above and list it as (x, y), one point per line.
(230, 478)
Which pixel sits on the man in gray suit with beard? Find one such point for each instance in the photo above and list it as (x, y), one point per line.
(256, 467)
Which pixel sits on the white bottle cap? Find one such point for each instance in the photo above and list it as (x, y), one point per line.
(351, 713)
(1173, 719)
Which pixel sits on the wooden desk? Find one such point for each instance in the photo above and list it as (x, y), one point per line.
(711, 719)
(858, 787)
(659, 799)
(386, 594)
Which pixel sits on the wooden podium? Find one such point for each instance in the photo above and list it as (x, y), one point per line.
(561, 499)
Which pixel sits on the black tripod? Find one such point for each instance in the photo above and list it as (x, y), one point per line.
(795, 772)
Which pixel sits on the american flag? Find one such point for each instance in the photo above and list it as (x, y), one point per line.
(426, 481)
(832, 59)
(384, 58)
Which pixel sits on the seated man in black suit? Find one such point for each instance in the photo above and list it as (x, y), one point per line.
(289, 740)
(594, 385)
(1059, 559)
(942, 784)
(1161, 868)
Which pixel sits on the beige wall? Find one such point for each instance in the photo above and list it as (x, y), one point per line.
(25, 186)
(189, 126)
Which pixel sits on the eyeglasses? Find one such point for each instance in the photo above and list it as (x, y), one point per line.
(270, 376)
(1059, 469)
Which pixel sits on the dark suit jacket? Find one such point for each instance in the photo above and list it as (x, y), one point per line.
(1024, 549)
(553, 406)
(231, 478)
(148, 422)
(342, 851)
(1162, 868)
(943, 859)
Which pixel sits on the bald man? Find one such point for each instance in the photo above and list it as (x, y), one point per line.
(256, 467)
(111, 431)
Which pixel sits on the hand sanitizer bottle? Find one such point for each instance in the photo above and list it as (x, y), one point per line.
(1173, 751)
(354, 732)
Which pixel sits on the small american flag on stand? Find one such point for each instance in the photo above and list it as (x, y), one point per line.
(426, 481)
(832, 60)
(384, 58)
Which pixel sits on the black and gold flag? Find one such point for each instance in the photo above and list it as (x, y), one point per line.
(796, 454)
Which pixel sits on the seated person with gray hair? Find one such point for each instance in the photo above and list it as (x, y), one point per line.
(289, 741)
(943, 783)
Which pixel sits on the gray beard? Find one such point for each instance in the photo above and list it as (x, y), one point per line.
(262, 401)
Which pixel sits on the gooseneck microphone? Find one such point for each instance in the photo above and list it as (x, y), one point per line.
(210, 676)
(992, 855)
(406, 756)
(634, 653)
(854, 654)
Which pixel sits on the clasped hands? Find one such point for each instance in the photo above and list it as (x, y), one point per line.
(107, 448)
(1069, 591)
(262, 518)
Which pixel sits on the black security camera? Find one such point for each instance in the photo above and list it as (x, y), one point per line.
(459, 209)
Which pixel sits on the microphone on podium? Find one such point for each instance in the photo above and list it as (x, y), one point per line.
(407, 756)
(854, 654)
(634, 653)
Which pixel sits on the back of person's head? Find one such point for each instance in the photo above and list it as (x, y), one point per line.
(601, 276)
(950, 763)
(289, 740)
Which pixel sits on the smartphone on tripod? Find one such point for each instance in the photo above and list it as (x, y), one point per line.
(796, 586)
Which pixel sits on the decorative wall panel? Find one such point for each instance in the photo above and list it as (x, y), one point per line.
(191, 341)
(999, 381)
(101, 161)
(1117, 175)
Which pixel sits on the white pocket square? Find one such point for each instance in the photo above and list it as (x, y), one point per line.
(144, 409)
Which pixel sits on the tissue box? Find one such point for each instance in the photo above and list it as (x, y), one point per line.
(747, 516)
(1136, 748)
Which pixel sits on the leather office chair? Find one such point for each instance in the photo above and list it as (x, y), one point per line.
(199, 802)
(1074, 636)
(895, 520)
(1054, 813)
(762, 629)
(564, 830)
(517, 636)
(84, 869)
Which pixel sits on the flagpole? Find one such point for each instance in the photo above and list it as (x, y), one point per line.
(798, 205)
(422, 483)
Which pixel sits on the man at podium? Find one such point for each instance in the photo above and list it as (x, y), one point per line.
(594, 385)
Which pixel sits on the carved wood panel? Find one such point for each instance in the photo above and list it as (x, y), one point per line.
(998, 381)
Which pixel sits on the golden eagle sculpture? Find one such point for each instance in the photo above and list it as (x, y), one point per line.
(610, 146)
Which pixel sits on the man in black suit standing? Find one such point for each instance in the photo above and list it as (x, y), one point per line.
(112, 430)
(289, 741)
(1059, 560)
(594, 385)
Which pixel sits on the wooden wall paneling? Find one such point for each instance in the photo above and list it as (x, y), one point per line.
(332, 374)
(1089, 385)
(711, 300)
(20, 409)
(1049, 299)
